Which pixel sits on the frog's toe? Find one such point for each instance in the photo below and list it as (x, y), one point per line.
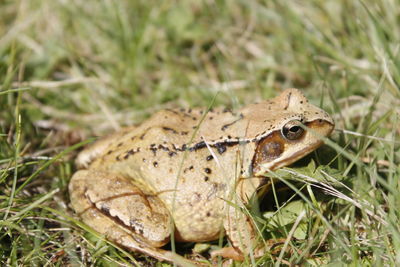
(228, 252)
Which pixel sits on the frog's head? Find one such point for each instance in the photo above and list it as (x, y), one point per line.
(298, 132)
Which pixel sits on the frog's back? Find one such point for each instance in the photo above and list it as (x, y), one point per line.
(161, 156)
(111, 148)
(165, 147)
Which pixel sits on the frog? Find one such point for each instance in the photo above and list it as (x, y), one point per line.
(189, 174)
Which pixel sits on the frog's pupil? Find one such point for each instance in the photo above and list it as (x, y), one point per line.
(295, 129)
(292, 130)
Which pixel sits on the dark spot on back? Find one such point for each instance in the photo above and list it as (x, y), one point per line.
(198, 146)
(223, 128)
(170, 130)
(189, 168)
(131, 152)
(209, 157)
(163, 147)
(155, 164)
(154, 150)
(221, 148)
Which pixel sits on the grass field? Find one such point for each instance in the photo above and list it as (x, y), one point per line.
(72, 70)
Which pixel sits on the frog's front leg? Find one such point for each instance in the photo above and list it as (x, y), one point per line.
(242, 234)
(239, 227)
(118, 209)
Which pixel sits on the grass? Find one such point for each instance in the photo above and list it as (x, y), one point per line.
(70, 70)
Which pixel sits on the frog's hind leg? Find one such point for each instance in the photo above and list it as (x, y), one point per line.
(116, 208)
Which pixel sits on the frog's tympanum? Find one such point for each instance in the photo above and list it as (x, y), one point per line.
(192, 171)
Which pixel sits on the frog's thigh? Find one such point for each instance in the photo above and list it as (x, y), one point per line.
(115, 207)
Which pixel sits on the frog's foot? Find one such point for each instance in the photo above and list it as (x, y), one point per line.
(228, 252)
(236, 254)
(116, 208)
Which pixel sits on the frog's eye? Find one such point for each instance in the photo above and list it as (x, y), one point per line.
(292, 130)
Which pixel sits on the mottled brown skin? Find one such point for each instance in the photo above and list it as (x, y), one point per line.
(176, 168)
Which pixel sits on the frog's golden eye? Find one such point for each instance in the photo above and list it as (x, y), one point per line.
(292, 130)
